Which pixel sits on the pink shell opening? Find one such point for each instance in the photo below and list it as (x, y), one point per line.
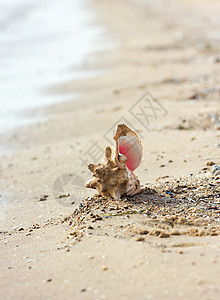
(128, 151)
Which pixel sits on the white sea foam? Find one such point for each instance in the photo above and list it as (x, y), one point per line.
(42, 43)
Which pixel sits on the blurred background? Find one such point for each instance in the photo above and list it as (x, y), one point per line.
(42, 43)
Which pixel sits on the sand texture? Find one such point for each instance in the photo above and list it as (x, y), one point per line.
(164, 243)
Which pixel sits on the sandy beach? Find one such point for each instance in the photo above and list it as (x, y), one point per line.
(161, 244)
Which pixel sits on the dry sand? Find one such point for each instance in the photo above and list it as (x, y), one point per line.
(162, 244)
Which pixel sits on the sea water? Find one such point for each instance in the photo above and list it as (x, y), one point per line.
(42, 43)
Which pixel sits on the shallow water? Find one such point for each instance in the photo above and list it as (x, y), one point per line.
(42, 43)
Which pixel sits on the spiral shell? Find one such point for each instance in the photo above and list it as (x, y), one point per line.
(114, 177)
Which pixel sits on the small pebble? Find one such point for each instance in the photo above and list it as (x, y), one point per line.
(43, 197)
(210, 163)
(164, 235)
(175, 232)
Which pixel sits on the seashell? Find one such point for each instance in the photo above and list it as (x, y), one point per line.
(114, 176)
(128, 144)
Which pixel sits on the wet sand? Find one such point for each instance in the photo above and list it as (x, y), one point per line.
(161, 244)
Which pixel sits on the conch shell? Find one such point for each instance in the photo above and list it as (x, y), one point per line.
(114, 176)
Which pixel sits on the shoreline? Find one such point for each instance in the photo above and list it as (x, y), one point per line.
(39, 241)
(49, 53)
